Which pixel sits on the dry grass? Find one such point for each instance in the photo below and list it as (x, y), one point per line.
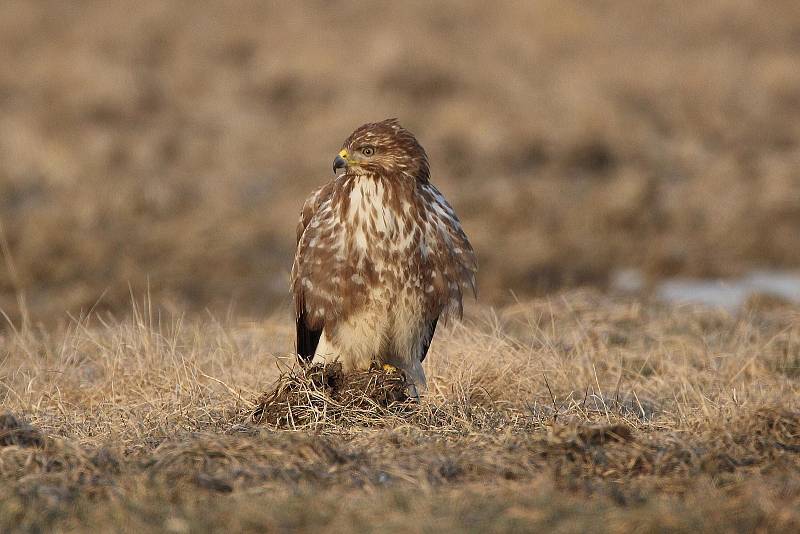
(316, 396)
(172, 143)
(563, 413)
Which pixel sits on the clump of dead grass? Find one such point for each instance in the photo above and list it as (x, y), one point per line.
(52, 468)
(745, 444)
(312, 396)
(14, 431)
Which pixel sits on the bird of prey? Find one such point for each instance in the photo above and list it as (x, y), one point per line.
(380, 257)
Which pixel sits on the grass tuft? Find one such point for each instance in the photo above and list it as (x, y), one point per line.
(309, 397)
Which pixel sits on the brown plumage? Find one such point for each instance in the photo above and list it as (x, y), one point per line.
(380, 257)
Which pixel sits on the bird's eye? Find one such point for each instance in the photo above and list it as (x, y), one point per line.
(368, 151)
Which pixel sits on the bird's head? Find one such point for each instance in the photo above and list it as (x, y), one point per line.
(384, 148)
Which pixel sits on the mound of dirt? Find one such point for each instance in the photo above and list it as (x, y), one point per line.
(324, 394)
(14, 431)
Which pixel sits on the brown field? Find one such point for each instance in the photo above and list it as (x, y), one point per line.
(165, 148)
(171, 144)
(570, 413)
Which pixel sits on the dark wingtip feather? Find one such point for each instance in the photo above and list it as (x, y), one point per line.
(307, 339)
(427, 343)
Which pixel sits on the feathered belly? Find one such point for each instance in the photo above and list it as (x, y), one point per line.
(387, 328)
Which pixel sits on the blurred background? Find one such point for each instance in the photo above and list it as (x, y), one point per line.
(170, 145)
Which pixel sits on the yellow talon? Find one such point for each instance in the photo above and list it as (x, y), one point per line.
(389, 368)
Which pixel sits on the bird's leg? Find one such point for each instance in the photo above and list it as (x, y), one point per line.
(411, 391)
(389, 368)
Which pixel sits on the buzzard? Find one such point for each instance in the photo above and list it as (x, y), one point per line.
(380, 257)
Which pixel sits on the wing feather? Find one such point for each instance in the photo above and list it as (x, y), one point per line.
(451, 260)
(426, 342)
(308, 322)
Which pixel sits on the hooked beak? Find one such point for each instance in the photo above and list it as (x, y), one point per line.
(339, 162)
